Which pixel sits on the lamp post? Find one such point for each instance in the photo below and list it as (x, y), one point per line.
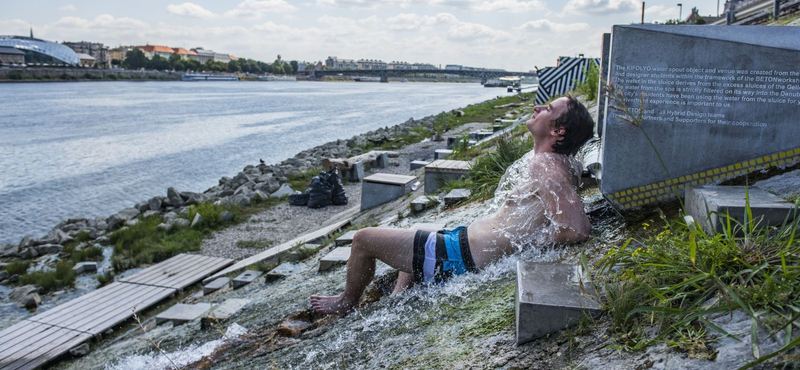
(680, 12)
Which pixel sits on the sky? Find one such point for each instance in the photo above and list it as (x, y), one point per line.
(515, 35)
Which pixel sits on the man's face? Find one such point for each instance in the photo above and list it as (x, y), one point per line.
(543, 120)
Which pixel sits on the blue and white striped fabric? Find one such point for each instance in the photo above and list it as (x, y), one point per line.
(555, 81)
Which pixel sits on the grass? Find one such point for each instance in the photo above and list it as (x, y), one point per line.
(17, 268)
(302, 180)
(255, 244)
(105, 278)
(48, 281)
(675, 278)
(590, 85)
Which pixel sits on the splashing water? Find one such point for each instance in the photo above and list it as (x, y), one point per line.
(193, 353)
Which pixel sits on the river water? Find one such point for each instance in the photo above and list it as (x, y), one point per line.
(91, 149)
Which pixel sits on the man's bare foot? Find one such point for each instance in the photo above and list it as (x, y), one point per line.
(331, 304)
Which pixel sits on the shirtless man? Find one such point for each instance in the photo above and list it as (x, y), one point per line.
(541, 207)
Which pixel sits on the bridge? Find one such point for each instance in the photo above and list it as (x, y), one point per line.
(384, 74)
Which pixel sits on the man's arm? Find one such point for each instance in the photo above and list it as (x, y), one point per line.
(564, 205)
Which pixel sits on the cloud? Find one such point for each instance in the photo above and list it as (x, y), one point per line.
(510, 6)
(191, 10)
(68, 7)
(257, 8)
(103, 22)
(465, 31)
(548, 26)
(410, 21)
(602, 7)
(661, 12)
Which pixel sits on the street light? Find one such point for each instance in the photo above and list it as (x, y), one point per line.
(680, 12)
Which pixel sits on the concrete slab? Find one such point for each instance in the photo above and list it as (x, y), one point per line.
(347, 238)
(382, 188)
(223, 311)
(82, 267)
(443, 170)
(709, 205)
(549, 298)
(418, 164)
(441, 153)
(456, 196)
(245, 278)
(339, 255)
(355, 173)
(421, 203)
(182, 313)
(285, 269)
(215, 285)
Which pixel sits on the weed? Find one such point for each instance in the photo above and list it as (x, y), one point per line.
(105, 278)
(589, 86)
(255, 244)
(302, 180)
(485, 173)
(61, 276)
(17, 268)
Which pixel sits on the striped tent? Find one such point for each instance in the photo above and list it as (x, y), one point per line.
(555, 81)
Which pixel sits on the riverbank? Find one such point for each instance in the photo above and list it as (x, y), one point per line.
(72, 74)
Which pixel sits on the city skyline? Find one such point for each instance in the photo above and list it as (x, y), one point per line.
(508, 34)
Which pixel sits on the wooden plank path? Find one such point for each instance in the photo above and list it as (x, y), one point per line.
(41, 338)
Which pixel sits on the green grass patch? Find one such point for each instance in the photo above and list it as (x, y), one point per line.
(105, 278)
(675, 277)
(302, 180)
(589, 87)
(48, 281)
(17, 268)
(255, 244)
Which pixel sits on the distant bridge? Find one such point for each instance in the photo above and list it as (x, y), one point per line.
(384, 74)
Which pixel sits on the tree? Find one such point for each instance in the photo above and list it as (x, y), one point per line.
(135, 59)
(174, 58)
(294, 66)
(179, 65)
(191, 64)
(233, 67)
(277, 69)
(158, 62)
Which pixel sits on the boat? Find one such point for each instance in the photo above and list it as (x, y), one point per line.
(277, 78)
(207, 77)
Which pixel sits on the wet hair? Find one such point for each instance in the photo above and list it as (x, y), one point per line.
(578, 126)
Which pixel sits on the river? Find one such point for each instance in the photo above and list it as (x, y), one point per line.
(90, 149)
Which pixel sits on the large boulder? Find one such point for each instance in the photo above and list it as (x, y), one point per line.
(48, 249)
(8, 250)
(118, 219)
(142, 206)
(154, 204)
(26, 296)
(174, 197)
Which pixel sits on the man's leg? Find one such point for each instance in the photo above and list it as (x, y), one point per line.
(404, 282)
(392, 246)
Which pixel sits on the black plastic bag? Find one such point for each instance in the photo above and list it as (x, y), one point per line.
(338, 197)
(320, 191)
(299, 199)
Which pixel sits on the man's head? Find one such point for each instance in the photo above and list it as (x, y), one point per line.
(562, 126)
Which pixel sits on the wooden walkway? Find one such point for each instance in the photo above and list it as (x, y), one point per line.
(41, 338)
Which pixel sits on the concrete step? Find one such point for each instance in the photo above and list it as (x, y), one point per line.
(246, 277)
(222, 312)
(182, 313)
(709, 205)
(549, 298)
(346, 239)
(285, 269)
(456, 196)
(421, 203)
(215, 285)
(339, 255)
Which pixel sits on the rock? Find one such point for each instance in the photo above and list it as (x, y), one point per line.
(284, 190)
(163, 226)
(13, 279)
(292, 328)
(183, 211)
(25, 242)
(195, 198)
(28, 253)
(81, 267)
(155, 204)
(103, 240)
(48, 249)
(225, 193)
(8, 250)
(26, 296)
(244, 190)
(260, 195)
(174, 197)
(133, 222)
(3, 275)
(179, 222)
(118, 219)
(169, 216)
(148, 214)
(142, 206)
(240, 200)
(101, 225)
(226, 216)
(197, 220)
(80, 351)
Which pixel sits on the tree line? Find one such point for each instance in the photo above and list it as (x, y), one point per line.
(135, 59)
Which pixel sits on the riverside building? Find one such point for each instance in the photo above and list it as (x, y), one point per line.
(94, 49)
(41, 51)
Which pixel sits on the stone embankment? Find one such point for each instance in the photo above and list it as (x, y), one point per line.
(45, 74)
(253, 182)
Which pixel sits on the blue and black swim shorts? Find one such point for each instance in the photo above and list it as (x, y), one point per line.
(440, 255)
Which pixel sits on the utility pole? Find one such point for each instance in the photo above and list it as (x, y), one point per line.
(717, 8)
(680, 12)
(777, 11)
(642, 12)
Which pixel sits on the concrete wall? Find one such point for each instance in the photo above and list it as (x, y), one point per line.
(71, 74)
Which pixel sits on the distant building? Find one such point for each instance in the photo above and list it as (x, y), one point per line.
(219, 57)
(337, 63)
(152, 50)
(371, 64)
(86, 60)
(11, 56)
(398, 65)
(185, 54)
(424, 66)
(41, 51)
(202, 55)
(454, 67)
(94, 49)
(117, 54)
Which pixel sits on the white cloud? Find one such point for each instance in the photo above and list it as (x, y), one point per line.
(602, 7)
(465, 31)
(191, 10)
(661, 12)
(103, 22)
(548, 26)
(510, 6)
(410, 21)
(257, 8)
(68, 7)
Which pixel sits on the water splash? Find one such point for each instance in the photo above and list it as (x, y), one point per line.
(191, 354)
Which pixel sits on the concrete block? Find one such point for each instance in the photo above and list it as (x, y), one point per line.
(285, 269)
(451, 140)
(215, 285)
(182, 313)
(223, 311)
(456, 196)
(443, 170)
(496, 128)
(382, 188)
(382, 161)
(345, 239)
(442, 153)
(355, 173)
(549, 298)
(82, 267)
(418, 164)
(709, 205)
(339, 255)
(421, 203)
(245, 278)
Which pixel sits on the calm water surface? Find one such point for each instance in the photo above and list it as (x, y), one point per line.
(91, 149)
